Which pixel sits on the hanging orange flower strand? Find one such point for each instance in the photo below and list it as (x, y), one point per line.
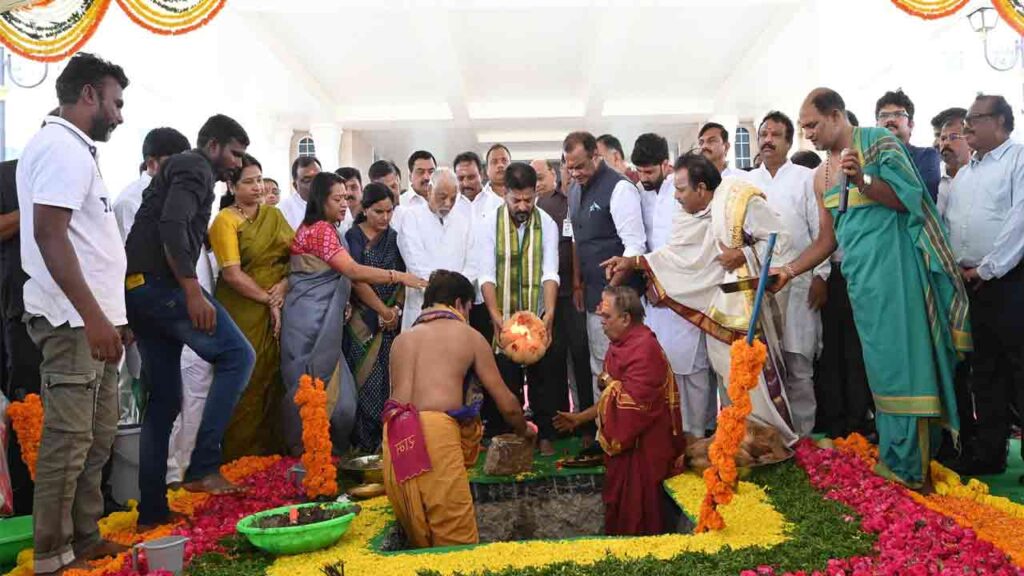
(321, 475)
(27, 418)
(721, 477)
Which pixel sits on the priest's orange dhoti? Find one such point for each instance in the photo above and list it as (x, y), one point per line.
(435, 506)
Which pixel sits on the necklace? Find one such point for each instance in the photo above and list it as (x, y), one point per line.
(828, 165)
(241, 211)
(447, 308)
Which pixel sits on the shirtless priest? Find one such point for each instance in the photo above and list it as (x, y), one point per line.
(432, 426)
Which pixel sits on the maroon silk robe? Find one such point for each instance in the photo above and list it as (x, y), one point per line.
(640, 431)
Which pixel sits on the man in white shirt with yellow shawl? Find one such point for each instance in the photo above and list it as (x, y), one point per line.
(518, 251)
(686, 275)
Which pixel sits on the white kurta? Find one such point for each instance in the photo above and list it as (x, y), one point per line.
(649, 205)
(427, 243)
(731, 172)
(485, 204)
(128, 203)
(791, 195)
(487, 252)
(294, 209)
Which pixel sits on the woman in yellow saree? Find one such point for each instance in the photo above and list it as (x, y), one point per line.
(251, 242)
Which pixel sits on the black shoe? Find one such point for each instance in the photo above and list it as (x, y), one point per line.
(969, 465)
(947, 454)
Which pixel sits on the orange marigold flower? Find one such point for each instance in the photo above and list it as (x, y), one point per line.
(27, 419)
(321, 475)
(246, 466)
(720, 479)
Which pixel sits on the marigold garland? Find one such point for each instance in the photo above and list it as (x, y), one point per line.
(52, 30)
(720, 478)
(27, 419)
(930, 9)
(948, 483)
(163, 17)
(321, 475)
(1011, 13)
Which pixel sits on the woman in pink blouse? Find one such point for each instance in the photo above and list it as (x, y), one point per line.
(312, 329)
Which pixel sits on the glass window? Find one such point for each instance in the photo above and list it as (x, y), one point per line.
(307, 147)
(742, 148)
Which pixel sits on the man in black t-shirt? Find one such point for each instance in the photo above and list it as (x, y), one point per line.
(168, 309)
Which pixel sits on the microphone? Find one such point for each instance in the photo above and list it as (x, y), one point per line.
(844, 187)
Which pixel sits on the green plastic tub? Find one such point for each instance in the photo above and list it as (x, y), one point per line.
(294, 539)
(15, 536)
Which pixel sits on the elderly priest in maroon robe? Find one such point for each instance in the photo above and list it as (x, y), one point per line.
(638, 419)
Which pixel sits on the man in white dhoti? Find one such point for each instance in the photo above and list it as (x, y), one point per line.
(196, 379)
(436, 235)
(687, 274)
(682, 341)
(790, 192)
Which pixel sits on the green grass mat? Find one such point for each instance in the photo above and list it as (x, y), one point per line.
(543, 466)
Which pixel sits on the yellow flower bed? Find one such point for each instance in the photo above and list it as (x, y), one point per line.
(750, 521)
(948, 483)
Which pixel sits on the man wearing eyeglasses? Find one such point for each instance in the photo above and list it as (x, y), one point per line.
(953, 148)
(985, 216)
(894, 111)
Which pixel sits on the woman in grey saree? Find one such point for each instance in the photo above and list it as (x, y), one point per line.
(313, 320)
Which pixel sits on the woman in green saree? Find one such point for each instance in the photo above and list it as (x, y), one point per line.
(376, 313)
(251, 242)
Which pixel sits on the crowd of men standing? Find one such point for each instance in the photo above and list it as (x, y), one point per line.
(85, 277)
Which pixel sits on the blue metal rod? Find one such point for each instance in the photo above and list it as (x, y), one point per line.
(766, 264)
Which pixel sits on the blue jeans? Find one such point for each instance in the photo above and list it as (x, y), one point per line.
(159, 317)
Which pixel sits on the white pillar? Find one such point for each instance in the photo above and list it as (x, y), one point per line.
(278, 164)
(327, 139)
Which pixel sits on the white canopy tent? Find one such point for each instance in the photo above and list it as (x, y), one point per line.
(379, 79)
